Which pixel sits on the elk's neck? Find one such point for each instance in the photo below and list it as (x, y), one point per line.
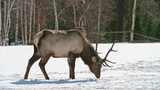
(87, 54)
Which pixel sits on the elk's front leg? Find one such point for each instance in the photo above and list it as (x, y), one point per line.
(71, 63)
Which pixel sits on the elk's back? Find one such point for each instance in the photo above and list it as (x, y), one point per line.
(59, 43)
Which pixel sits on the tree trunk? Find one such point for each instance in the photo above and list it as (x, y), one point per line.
(84, 13)
(99, 24)
(4, 21)
(120, 18)
(133, 21)
(25, 23)
(74, 15)
(17, 23)
(8, 7)
(38, 21)
(22, 24)
(0, 25)
(34, 15)
(55, 14)
(30, 19)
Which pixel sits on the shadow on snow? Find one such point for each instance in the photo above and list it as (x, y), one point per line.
(22, 82)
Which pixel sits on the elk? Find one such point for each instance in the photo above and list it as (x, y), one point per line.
(71, 44)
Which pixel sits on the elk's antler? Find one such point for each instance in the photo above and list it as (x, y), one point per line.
(105, 58)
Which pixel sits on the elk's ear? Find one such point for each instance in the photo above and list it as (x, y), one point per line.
(94, 59)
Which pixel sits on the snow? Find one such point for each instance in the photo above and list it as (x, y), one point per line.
(137, 68)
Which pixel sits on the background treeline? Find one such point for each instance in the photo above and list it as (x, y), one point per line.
(104, 20)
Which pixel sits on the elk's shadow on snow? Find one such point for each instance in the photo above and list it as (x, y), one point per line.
(22, 82)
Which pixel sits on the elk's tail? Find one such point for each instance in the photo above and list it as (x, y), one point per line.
(37, 38)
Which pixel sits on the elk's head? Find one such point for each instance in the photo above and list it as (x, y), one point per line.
(97, 62)
(95, 66)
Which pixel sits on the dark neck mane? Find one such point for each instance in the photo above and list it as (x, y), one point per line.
(87, 53)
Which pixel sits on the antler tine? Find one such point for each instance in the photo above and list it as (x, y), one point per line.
(105, 58)
(110, 61)
(111, 49)
(105, 64)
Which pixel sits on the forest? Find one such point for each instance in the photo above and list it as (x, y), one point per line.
(103, 20)
(71, 61)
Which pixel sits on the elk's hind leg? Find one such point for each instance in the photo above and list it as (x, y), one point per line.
(42, 64)
(31, 61)
(71, 63)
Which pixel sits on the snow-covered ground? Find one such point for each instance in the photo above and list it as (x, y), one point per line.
(137, 68)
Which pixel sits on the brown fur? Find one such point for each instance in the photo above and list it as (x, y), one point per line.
(71, 44)
(87, 53)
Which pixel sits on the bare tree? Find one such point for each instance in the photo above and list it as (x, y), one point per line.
(0, 24)
(21, 20)
(85, 11)
(30, 21)
(99, 23)
(133, 20)
(34, 14)
(55, 14)
(17, 22)
(120, 17)
(7, 20)
(25, 23)
(4, 20)
(75, 13)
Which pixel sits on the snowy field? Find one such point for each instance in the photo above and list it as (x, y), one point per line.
(137, 68)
